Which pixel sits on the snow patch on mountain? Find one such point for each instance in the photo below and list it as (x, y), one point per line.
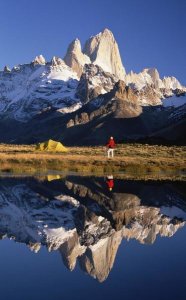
(32, 89)
(174, 101)
(178, 113)
(28, 217)
(173, 212)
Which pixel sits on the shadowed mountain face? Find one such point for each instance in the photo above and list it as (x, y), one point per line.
(86, 220)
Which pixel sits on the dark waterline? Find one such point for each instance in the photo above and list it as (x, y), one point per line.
(131, 237)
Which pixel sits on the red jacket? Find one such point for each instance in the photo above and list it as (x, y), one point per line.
(111, 144)
(110, 183)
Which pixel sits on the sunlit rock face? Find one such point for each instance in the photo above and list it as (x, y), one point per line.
(148, 224)
(98, 259)
(75, 58)
(104, 52)
(84, 220)
(71, 250)
(151, 89)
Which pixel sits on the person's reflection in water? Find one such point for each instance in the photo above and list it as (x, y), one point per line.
(110, 182)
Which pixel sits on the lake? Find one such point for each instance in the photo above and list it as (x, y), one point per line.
(78, 237)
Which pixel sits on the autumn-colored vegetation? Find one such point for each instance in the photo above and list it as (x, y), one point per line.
(130, 159)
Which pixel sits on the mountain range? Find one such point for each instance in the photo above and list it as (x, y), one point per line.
(87, 96)
(84, 221)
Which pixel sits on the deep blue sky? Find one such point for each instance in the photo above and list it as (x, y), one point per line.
(149, 33)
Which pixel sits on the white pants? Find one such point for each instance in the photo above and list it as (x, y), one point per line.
(110, 152)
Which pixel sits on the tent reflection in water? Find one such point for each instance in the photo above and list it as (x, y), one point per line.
(52, 146)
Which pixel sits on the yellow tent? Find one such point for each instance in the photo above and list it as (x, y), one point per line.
(52, 146)
(53, 177)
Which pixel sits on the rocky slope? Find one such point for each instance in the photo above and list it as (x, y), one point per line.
(83, 220)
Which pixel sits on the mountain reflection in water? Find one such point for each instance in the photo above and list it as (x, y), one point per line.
(86, 218)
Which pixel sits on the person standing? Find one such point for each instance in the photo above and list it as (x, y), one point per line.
(111, 145)
(110, 182)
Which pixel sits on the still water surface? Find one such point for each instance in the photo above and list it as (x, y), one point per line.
(91, 238)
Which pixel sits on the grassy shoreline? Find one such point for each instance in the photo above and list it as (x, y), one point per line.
(132, 160)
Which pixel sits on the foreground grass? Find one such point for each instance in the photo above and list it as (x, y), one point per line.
(132, 160)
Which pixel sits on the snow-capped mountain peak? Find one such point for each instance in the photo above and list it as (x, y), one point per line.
(32, 88)
(103, 51)
(74, 57)
(7, 69)
(40, 60)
